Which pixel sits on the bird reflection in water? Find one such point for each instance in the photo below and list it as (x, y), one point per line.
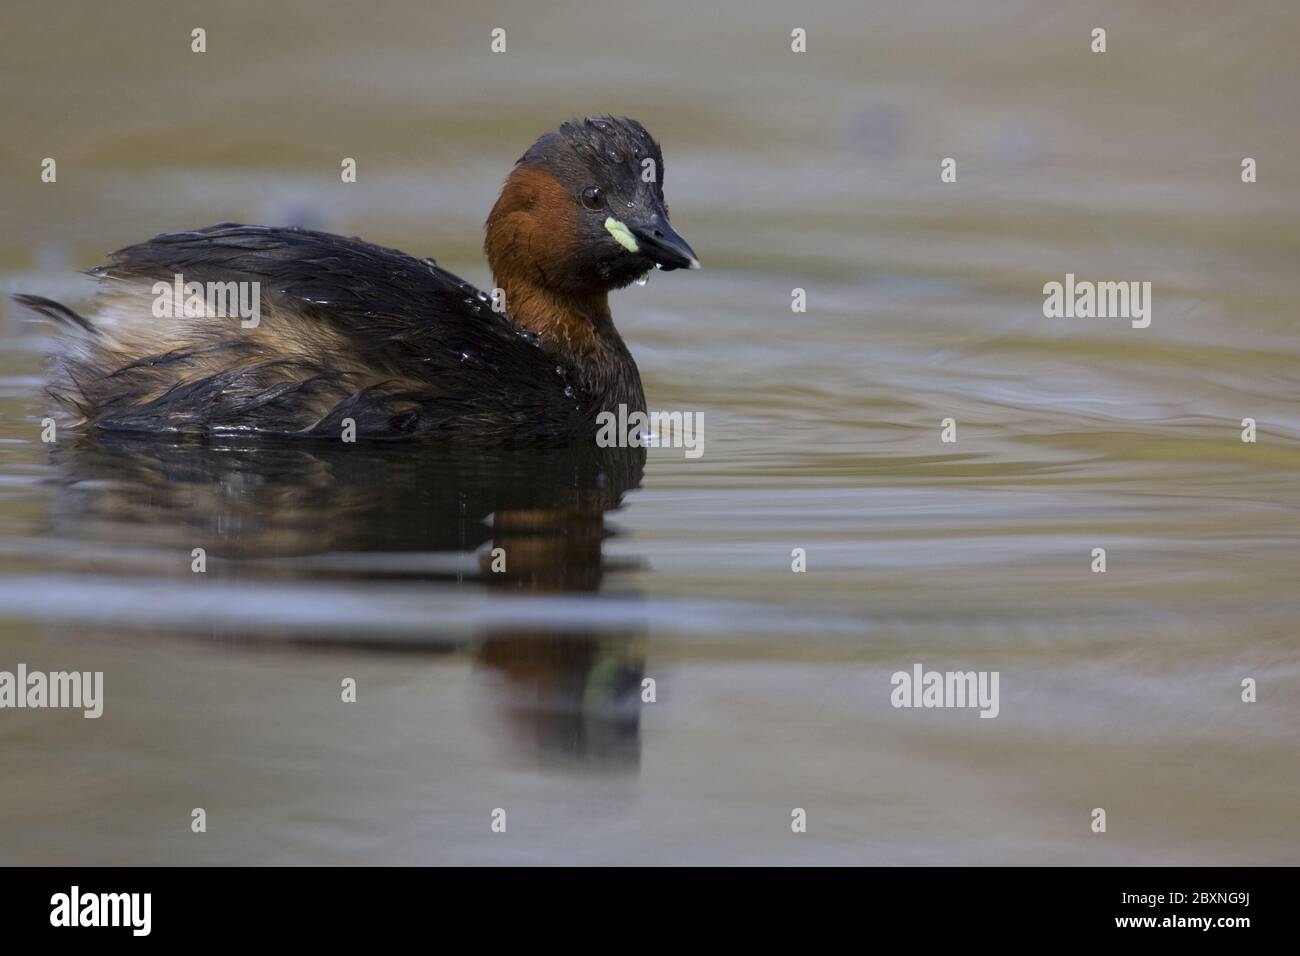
(401, 513)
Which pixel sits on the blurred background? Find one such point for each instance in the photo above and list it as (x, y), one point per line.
(523, 691)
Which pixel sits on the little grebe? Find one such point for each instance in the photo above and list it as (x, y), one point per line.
(349, 330)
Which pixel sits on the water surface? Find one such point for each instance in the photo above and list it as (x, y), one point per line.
(523, 690)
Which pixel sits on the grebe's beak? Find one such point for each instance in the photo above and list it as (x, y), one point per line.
(660, 242)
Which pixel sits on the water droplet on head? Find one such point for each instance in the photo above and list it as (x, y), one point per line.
(642, 280)
(568, 391)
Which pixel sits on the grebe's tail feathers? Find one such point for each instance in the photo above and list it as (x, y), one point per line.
(56, 311)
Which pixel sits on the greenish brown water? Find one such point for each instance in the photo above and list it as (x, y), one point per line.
(817, 171)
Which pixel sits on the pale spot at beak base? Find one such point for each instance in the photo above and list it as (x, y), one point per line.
(622, 234)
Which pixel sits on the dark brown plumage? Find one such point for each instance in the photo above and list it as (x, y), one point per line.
(401, 347)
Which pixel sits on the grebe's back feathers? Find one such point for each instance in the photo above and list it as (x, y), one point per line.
(389, 301)
(347, 330)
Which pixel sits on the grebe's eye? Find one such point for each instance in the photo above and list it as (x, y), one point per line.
(593, 197)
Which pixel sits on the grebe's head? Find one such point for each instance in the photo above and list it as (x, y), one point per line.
(584, 211)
